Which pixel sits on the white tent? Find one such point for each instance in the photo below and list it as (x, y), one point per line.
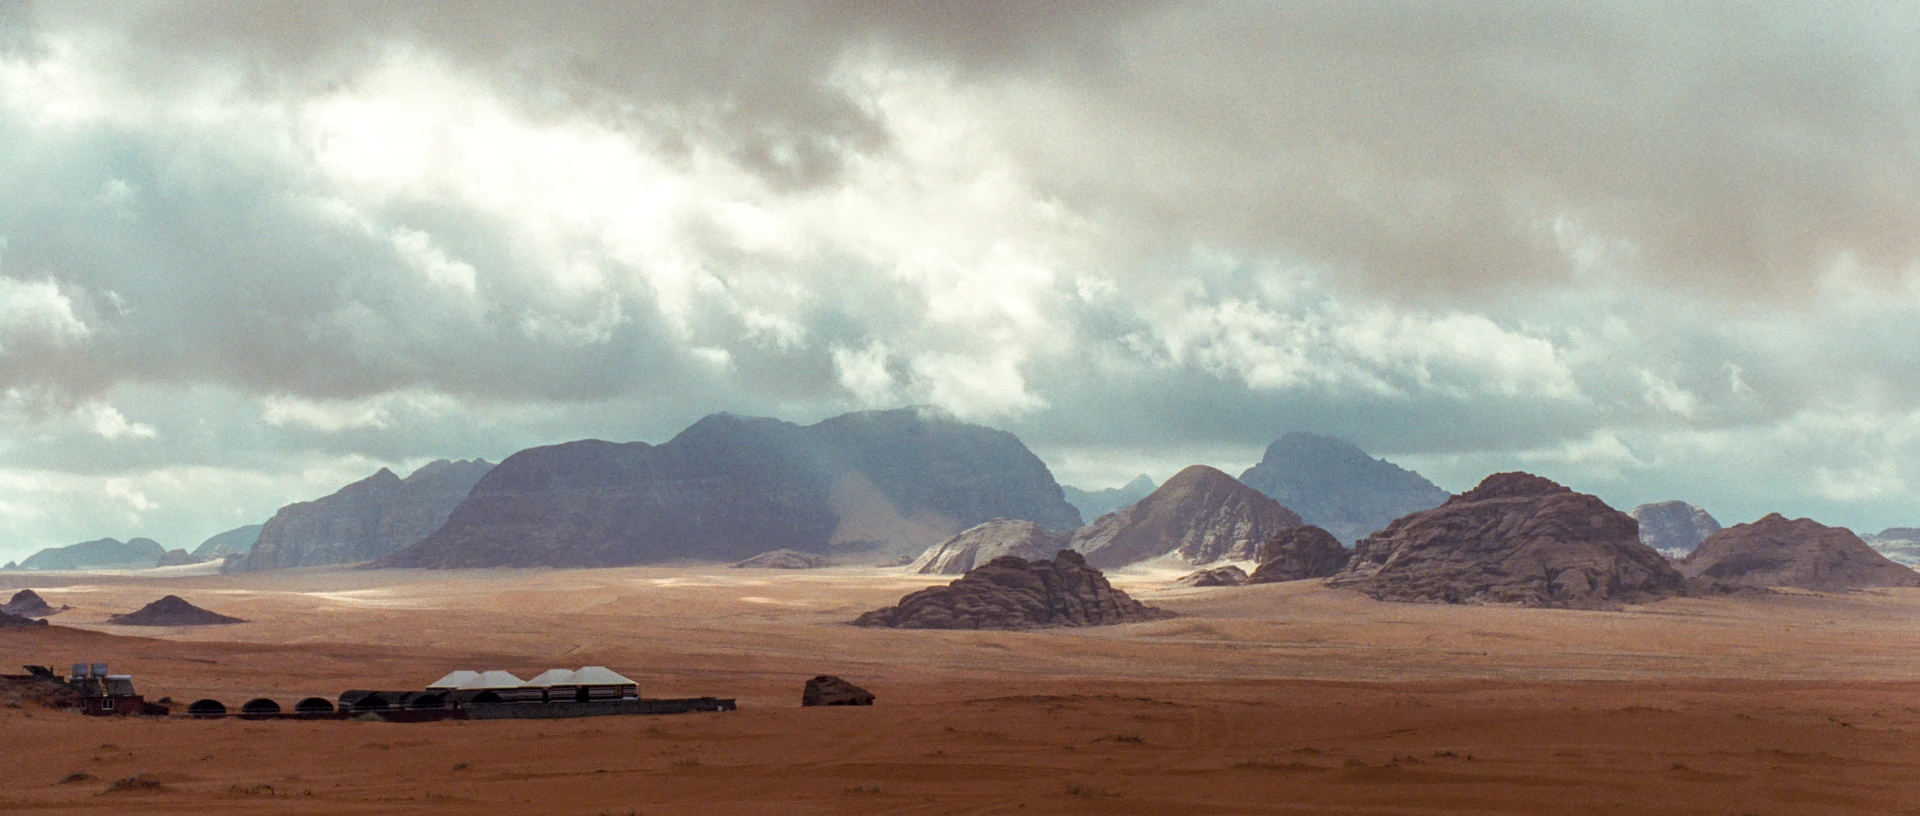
(602, 683)
(453, 680)
(508, 688)
(552, 677)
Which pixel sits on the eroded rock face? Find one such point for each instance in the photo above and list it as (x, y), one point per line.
(1201, 514)
(1336, 486)
(1015, 593)
(369, 519)
(784, 559)
(1300, 553)
(1802, 553)
(1515, 539)
(1673, 528)
(172, 611)
(982, 543)
(27, 603)
(828, 690)
(1228, 575)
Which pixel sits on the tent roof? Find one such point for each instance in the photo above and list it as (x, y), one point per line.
(454, 679)
(600, 676)
(494, 680)
(552, 677)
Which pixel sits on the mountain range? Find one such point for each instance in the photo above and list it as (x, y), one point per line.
(103, 553)
(371, 518)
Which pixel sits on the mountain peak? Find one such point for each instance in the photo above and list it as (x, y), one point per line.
(1335, 485)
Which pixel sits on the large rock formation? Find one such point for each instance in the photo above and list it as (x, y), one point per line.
(984, 542)
(28, 603)
(1228, 575)
(1515, 539)
(828, 690)
(1336, 486)
(1802, 553)
(1673, 528)
(9, 620)
(1015, 593)
(104, 553)
(237, 541)
(1300, 553)
(1201, 514)
(371, 518)
(171, 611)
(1093, 504)
(867, 486)
(784, 559)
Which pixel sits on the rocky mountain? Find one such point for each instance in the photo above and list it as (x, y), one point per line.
(171, 611)
(371, 518)
(1778, 552)
(866, 486)
(1300, 553)
(1515, 539)
(236, 541)
(1900, 545)
(984, 542)
(1093, 504)
(103, 553)
(1673, 527)
(784, 559)
(1015, 593)
(1202, 514)
(1336, 486)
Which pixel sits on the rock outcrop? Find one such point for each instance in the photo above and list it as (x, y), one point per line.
(27, 603)
(1093, 504)
(171, 611)
(1228, 575)
(1298, 554)
(784, 559)
(868, 486)
(1515, 539)
(237, 541)
(177, 558)
(1201, 514)
(984, 542)
(828, 690)
(1802, 553)
(103, 553)
(1673, 528)
(9, 620)
(369, 519)
(1336, 486)
(1015, 593)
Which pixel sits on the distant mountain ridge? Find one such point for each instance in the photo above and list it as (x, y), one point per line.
(1201, 513)
(371, 518)
(236, 541)
(1093, 504)
(862, 485)
(1673, 527)
(97, 554)
(1336, 486)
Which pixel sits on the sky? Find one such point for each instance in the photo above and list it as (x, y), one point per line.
(250, 252)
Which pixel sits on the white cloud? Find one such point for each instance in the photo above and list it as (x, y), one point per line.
(110, 424)
(37, 311)
(283, 410)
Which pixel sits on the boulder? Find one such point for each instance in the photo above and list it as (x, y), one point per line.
(1515, 539)
(1014, 593)
(1336, 486)
(982, 543)
(28, 603)
(1799, 553)
(172, 611)
(1201, 514)
(1673, 527)
(1302, 552)
(1228, 575)
(784, 559)
(828, 690)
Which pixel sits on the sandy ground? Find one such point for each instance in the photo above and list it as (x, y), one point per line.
(1287, 698)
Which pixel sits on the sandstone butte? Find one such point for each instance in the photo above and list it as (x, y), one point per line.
(1202, 514)
(1015, 593)
(1515, 539)
(981, 543)
(1302, 552)
(1802, 553)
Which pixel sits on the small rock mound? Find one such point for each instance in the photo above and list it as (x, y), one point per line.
(28, 603)
(828, 690)
(1015, 593)
(1300, 553)
(1515, 539)
(1228, 575)
(1800, 553)
(785, 559)
(171, 611)
(984, 542)
(9, 620)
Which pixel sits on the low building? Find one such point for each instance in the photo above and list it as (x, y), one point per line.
(108, 695)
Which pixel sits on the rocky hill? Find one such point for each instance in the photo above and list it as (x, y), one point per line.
(1300, 553)
(172, 610)
(28, 603)
(1015, 593)
(1515, 539)
(103, 553)
(984, 542)
(868, 486)
(371, 518)
(1336, 486)
(1093, 504)
(236, 541)
(1778, 552)
(1201, 514)
(1673, 527)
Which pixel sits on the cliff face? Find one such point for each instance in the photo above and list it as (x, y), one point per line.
(864, 486)
(1514, 539)
(97, 554)
(1336, 486)
(371, 518)
(1201, 514)
(1673, 527)
(1780, 552)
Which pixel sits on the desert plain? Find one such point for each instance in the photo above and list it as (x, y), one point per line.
(1280, 698)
